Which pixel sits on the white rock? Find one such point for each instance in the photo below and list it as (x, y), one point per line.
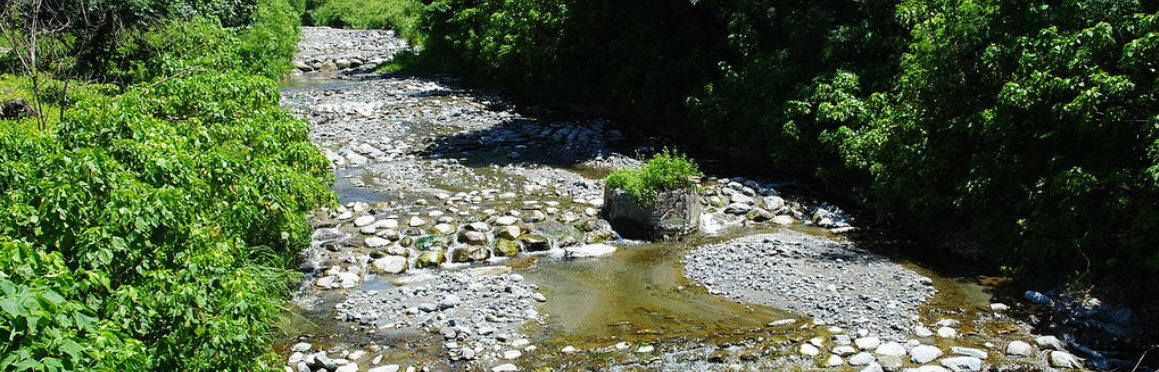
(890, 348)
(834, 361)
(646, 349)
(506, 221)
(390, 265)
(512, 354)
(1049, 343)
(347, 368)
(1019, 349)
(867, 343)
(963, 364)
(844, 350)
(363, 221)
(1062, 359)
(589, 250)
(970, 352)
(567, 349)
(862, 359)
(922, 331)
(809, 350)
(872, 367)
(924, 354)
(375, 242)
(947, 332)
(505, 368)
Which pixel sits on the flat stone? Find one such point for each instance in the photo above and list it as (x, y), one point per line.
(416, 222)
(890, 348)
(386, 368)
(505, 368)
(962, 364)
(512, 354)
(363, 221)
(947, 332)
(922, 331)
(924, 354)
(862, 359)
(970, 352)
(375, 242)
(844, 350)
(301, 347)
(867, 343)
(506, 221)
(872, 367)
(589, 250)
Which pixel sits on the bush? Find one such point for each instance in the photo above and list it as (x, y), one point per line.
(157, 229)
(665, 171)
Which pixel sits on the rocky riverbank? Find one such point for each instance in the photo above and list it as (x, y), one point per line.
(466, 218)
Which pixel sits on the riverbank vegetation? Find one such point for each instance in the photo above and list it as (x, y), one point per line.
(1030, 127)
(152, 217)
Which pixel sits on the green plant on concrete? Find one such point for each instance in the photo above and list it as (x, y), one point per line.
(665, 171)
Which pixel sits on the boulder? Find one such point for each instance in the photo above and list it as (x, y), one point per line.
(673, 213)
(17, 108)
(470, 254)
(535, 243)
(507, 248)
(430, 260)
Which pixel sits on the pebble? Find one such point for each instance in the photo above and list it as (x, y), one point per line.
(970, 352)
(505, 368)
(867, 343)
(809, 350)
(862, 359)
(1062, 359)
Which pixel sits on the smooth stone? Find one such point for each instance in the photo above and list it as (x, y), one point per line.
(506, 221)
(834, 361)
(390, 265)
(962, 364)
(970, 352)
(782, 322)
(922, 331)
(589, 250)
(861, 359)
(890, 348)
(867, 343)
(375, 242)
(347, 368)
(363, 221)
(844, 350)
(1062, 359)
(646, 349)
(567, 349)
(924, 354)
(512, 354)
(872, 367)
(505, 368)
(947, 332)
(998, 307)
(1019, 349)
(1049, 343)
(386, 368)
(301, 347)
(416, 222)
(810, 350)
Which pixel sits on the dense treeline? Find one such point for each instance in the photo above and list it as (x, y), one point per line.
(151, 223)
(1030, 125)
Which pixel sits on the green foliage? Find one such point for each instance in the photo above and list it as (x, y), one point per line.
(399, 15)
(665, 171)
(155, 225)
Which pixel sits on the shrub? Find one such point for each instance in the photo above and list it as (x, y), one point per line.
(665, 171)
